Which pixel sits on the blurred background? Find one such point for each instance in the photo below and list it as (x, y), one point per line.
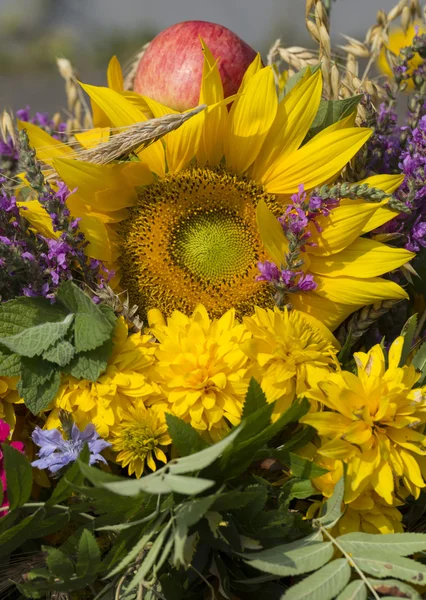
(88, 32)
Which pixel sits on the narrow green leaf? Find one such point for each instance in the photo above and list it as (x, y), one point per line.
(188, 514)
(184, 437)
(17, 535)
(39, 383)
(89, 555)
(403, 544)
(333, 506)
(10, 364)
(408, 332)
(294, 79)
(50, 525)
(419, 362)
(394, 588)
(301, 467)
(332, 111)
(255, 399)
(325, 584)
(59, 564)
(389, 564)
(356, 590)
(61, 353)
(18, 476)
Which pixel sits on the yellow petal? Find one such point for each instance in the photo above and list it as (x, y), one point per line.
(46, 147)
(360, 292)
(395, 352)
(386, 183)
(271, 233)
(382, 481)
(100, 237)
(39, 218)
(115, 75)
(252, 114)
(339, 229)
(138, 101)
(329, 424)
(325, 332)
(317, 161)
(252, 69)
(93, 137)
(330, 313)
(295, 114)
(363, 258)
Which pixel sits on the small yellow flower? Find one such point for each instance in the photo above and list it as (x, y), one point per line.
(139, 438)
(399, 39)
(290, 353)
(8, 397)
(374, 425)
(126, 378)
(202, 370)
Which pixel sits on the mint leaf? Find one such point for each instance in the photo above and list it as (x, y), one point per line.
(10, 364)
(28, 326)
(39, 383)
(60, 353)
(91, 326)
(89, 365)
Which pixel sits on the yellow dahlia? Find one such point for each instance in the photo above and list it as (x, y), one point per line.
(125, 381)
(398, 39)
(139, 438)
(8, 397)
(290, 353)
(201, 369)
(374, 422)
(178, 223)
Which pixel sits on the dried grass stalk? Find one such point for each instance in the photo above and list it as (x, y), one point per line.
(7, 129)
(132, 67)
(77, 104)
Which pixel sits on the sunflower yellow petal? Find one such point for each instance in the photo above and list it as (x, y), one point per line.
(252, 114)
(330, 313)
(353, 291)
(115, 75)
(39, 218)
(137, 100)
(386, 183)
(317, 162)
(363, 258)
(271, 233)
(46, 147)
(93, 137)
(100, 237)
(252, 69)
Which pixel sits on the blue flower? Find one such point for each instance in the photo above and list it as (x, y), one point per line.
(56, 452)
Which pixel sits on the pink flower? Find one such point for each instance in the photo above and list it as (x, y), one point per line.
(4, 434)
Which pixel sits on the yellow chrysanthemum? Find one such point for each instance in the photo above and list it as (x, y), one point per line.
(374, 425)
(202, 370)
(125, 380)
(290, 353)
(8, 397)
(140, 437)
(203, 245)
(398, 39)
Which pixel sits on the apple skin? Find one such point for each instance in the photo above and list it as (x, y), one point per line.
(170, 70)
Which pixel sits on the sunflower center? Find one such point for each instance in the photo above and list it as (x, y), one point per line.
(193, 239)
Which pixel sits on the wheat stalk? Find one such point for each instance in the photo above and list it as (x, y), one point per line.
(77, 105)
(132, 67)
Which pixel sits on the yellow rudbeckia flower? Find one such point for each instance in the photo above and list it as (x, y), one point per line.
(398, 39)
(8, 397)
(178, 224)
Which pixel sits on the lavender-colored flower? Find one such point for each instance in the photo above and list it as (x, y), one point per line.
(56, 452)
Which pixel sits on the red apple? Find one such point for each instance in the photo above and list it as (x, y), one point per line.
(170, 70)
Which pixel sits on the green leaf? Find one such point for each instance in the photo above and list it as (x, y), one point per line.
(28, 326)
(39, 384)
(10, 364)
(188, 514)
(18, 476)
(389, 564)
(299, 489)
(395, 588)
(308, 554)
(301, 467)
(72, 477)
(332, 111)
(333, 507)
(17, 535)
(91, 326)
(50, 525)
(419, 362)
(325, 584)
(89, 555)
(91, 364)
(408, 332)
(294, 79)
(184, 437)
(255, 399)
(403, 544)
(356, 590)
(236, 499)
(60, 353)
(59, 564)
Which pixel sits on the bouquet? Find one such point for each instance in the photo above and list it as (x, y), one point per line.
(212, 322)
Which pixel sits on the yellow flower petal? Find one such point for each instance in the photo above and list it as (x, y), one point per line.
(115, 75)
(252, 114)
(363, 258)
(359, 292)
(395, 352)
(317, 161)
(47, 147)
(39, 218)
(252, 69)
(93, 137)
(102, 240)
(327, 423)
(330, 313)
(271, 233)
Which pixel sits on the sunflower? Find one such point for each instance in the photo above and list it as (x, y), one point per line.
(398, 39)
(139, 438)
(374, 425)
(126, 380)
(178, 223)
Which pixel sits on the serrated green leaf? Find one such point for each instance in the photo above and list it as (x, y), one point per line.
(10, 364)
(91, 326)
(356, 590)
(395, 588)
(255, 399)
(39, 383)
(59, 564)
(389, 564)
(325, 584)
(91, 364)
(408, 332)
(296, 558)
(332, 111)
(18, 476)
(333, 507)
(17, 535)
(89, 555)
(185, 438)
(60, 353)
(403, 544)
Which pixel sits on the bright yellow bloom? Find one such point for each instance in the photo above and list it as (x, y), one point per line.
(182, 232)
(140, 437)
(202, 370)
(374, 425)
(399, 39)
(8, 397)
(290, 353)
(125, 381)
